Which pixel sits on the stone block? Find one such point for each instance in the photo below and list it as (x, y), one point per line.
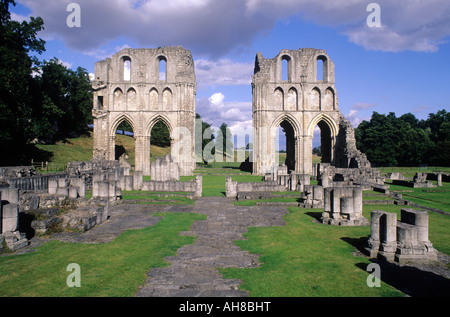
(100, 189)
(62, 191)
(52, 186)
(63, 182)
(73, 192)
(10, 218)
(138, 180)
(11, 195)
(15, 240)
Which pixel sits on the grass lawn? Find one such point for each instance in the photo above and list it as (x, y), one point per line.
(438, 197)
(214, 185)
(303, 259)
(111, 269)
(409, 172)
(80, 149)
(307, 259)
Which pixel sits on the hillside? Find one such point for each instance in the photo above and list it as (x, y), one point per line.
(80, 149)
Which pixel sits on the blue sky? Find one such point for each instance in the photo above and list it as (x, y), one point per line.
(400, 67)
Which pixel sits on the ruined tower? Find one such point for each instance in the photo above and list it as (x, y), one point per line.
(296, 90)
(143, 87)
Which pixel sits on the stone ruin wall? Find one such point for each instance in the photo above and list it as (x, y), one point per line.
(298, 101)
(143, 99)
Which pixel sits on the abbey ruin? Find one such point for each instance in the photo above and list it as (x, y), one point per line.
(147, 86)
(298, 102)
(129, 86)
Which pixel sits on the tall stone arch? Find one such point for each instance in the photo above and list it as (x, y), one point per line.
(142, 97)
(292, 130)
(309, 100)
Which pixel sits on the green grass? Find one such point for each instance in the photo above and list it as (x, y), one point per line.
(80, 149)
(182, 178)
(307, 259)
(304, 259)
(438, 197)
(377, 198)
(111, 269)
(214, 185)
(409, 172)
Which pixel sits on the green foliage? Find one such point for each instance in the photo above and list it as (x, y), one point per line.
(62, 102)
(17, 40)
(125, 126)
(160, 135)
(206, 138)
(224, 142)
(405, 141)
(38, 100)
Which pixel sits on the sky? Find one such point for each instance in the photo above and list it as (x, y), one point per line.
(401, 65)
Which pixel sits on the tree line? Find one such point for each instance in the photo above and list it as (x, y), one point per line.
(388, 140)
(40, 101)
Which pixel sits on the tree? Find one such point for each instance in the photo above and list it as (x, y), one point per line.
(317, 151)
(206, 140)
(125, 126)
(17, 40)
(62, 103)
(438, 127)
(160, 135)
(224, 141)
(391, 141)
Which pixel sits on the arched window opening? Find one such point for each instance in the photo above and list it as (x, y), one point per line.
(162, 68)
(167, 100)
(153, 99)
(285, 145)
(291, 100)
(328, 103)
(285, 68)
(321, 145)
(279, 98)
(315, 99)
(131, 99)
(126, 69)
(118, 99)
(321, 69)
(125, 144)
(160, 140)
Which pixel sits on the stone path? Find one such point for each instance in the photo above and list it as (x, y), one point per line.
(193, 271)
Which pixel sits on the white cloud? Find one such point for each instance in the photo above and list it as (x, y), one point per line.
(215, 110)
(223, 72)
(66, 64)
(19, 17)
(355, 117)
(362, 106)
(215, 28)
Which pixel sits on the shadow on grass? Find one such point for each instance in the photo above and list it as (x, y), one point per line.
(408, 279)
(316, 215)
(358, 243)
(412, 281)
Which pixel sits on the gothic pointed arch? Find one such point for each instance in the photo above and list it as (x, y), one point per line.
(157, 118)
(119, 119)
